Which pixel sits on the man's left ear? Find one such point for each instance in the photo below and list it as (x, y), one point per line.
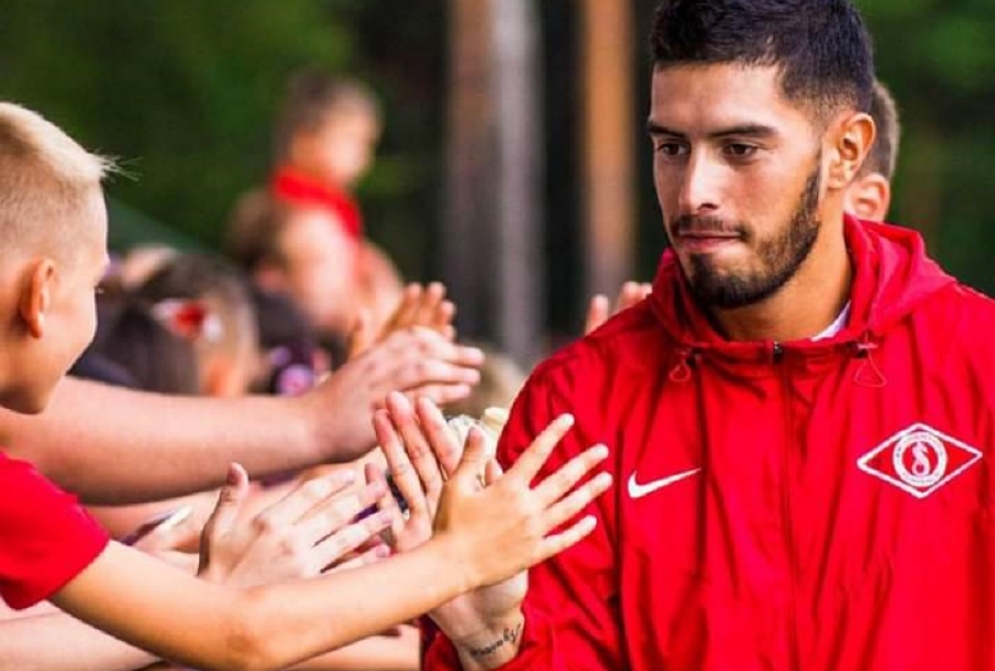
(854, 137)
(36, 296)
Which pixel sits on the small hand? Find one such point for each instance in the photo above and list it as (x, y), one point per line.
(416, 361)
(599, 310)
(464, 494)
(300, 536)
(425, 307)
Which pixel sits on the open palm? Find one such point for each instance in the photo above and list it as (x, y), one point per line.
(410, 444)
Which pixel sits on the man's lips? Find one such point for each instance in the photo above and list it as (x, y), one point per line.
(704, 241)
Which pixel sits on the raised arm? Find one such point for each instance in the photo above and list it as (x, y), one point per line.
(562, 616)
(242, 550)
(115, 446)
(213, 627)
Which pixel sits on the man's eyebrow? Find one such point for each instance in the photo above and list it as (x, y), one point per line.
(743, 130)
(754, 130)
(653, 128)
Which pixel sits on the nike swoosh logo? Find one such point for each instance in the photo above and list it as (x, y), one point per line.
(638, 491)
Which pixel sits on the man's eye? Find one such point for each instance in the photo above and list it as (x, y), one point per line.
(740, 150)
(671, 148)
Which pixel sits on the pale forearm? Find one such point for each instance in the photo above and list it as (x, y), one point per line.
(57, 642)
(376, 653)
(493, 646)
(354, 604)
(115, 446)
(272, 627)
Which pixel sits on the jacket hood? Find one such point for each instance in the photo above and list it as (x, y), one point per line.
(892, 275)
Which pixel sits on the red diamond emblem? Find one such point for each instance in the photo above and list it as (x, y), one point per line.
(919, 460)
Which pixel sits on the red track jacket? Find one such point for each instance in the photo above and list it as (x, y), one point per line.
(816, 506)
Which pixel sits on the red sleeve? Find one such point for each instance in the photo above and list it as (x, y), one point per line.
(571, 611)
(46, 539)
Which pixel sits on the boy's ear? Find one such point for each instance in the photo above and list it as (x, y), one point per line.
(868, 197)
(36, 297)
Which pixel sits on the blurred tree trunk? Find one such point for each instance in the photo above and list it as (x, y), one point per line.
(607, 140)
(493, 227)
(469, 212)
(520, 301)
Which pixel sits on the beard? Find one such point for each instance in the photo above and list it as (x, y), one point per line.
(779, 256)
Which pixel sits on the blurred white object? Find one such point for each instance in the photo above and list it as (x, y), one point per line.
(490, 424)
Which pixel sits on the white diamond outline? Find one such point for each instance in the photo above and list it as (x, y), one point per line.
(862, 462)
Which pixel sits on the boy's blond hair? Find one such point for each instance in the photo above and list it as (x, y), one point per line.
(44, 174)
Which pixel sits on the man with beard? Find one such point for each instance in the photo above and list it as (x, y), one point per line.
(799, 414)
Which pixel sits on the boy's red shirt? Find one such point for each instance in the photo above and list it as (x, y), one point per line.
(46, 538)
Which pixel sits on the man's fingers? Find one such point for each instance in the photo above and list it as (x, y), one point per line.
(533, 459)
(441, 437)
(416, 444)
(556, 486)
(402, 472)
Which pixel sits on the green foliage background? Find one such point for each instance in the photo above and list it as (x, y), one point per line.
(184, 92)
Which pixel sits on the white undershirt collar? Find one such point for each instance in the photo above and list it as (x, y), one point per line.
(837, 324)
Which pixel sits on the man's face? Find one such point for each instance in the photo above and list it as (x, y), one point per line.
(737, 169)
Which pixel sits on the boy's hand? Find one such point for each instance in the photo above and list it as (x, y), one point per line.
(426, 307)
(487, 514)
(599, 310)
(416, 360)
(302, 535)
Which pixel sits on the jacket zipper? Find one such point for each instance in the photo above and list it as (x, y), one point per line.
(777, 354)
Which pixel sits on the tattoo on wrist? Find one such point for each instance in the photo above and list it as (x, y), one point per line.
(510, 635)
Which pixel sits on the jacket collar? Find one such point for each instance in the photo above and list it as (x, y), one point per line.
(892, 275)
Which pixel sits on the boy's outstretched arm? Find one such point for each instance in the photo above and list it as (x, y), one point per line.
(116, 446)
(214, 627)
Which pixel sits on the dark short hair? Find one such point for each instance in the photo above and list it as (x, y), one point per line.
(253, 236)
(821, 46)
(884, 152)
(208, 278)
(311, 98)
